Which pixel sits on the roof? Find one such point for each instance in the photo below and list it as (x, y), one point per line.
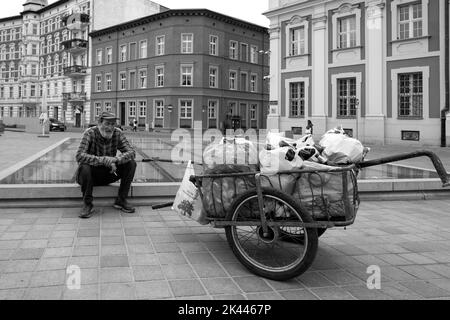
(10, 18)
(179, 12)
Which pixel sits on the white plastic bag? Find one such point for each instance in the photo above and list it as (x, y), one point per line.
(341, 149)
(187, 201)
(278, 139)
(231, 151)
(305, 141)
(273, 161)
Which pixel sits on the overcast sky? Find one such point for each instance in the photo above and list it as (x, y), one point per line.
(248, 10)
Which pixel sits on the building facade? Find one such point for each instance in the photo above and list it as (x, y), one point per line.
(170, 69)
(45, 56)
(379, 68)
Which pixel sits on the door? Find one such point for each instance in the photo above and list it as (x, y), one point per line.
(123, 113)
(78, 120)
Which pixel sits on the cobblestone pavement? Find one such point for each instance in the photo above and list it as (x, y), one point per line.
(161, 255)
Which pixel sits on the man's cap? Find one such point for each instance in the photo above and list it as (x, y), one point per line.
(108, 116)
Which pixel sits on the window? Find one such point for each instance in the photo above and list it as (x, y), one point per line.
(212, 109)
(159, 109)
(243, 81)
(99, 57)
(233, 85)
(123, 53)
(297, 41)
(187, 42)
(186, 75)
(254, 54)
(108, 106)
(297, 99)
(213, 45)
(347, 97)
(143, 49)
(33, 90)
(347, 32)
(244, 52)
(132, 108)
(35, 29)
(159, 73)
(253, 112)
(186, 109)
(34, 49)
(108, 55)
(142, 79)
(233, 50)
(11, 92)
(213, 73)
(123, 81)
(108, 82)
(98, 109)
(132, 80)
(410, 95)
(142, 109)
(253, 82)
(98, 81)
(410, 21)
(132, 51)
(160, 45)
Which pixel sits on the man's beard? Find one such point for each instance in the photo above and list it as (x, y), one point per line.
(105, 134)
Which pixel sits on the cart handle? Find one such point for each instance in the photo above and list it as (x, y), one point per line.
(437, 163)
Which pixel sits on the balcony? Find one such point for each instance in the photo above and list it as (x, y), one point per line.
(76, 21)
(75, 97)
(75, 46)
(75, 71)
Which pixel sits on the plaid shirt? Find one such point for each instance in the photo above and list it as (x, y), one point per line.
(94, 148)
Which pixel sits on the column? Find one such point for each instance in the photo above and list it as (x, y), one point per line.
(319, 54)
(273, 119)
(374, 122)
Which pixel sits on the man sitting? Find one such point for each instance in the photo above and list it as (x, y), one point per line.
(99, 165)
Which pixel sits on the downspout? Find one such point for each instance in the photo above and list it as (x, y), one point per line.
(447, 71)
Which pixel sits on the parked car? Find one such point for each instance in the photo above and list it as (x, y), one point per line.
(56, 125)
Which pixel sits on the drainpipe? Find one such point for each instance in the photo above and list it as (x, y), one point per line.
(447, 71)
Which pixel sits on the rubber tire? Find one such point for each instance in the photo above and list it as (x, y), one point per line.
(320, 232)
(311, 249)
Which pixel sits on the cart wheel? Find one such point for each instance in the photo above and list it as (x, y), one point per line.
(269, 255)
(295, 235)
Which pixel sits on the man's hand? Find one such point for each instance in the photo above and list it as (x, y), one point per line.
(109, 161)
(113, 168)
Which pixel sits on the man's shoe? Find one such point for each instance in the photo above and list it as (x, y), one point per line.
(87, 212)
(124, 206)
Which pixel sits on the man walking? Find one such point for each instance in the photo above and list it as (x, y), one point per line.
(99, 164)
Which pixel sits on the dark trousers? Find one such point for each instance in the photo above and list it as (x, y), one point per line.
(89, 176)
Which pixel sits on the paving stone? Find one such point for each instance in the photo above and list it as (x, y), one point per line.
(113, 275)
(209, 270)
(171, 258)
(114, 261)
(85, 251)
(185, 238)
(332, 293)
(137, 240)
(420, 272)
(314, 280)
(57, 252)
(340, 277)
(426, 289)
(200, 258)
(87, 241)
(48, 278)
(301, 294)
(28, 254)
(153, 290)
(291, 284)
(66, 227)
(186, 288)
(9, 244)
(88, 233)
(135, 232)
(417, 258)
(60, 242)
(178, 272)
(118, 291)
(140, 248)
(221, 286)
(395, 259)
(12, 294)
(84, 262)
(20, 228)
(252, 284)
(52, 264)
(398, 292)
(229, 297)
(146, 259)
(363, 293)
(236, 269)
(34, 244)
(264, 296)
(112, 232)
(89, 276)
(117, 240)
(86, 292)
(148, 273)
(225, 256)
(16, 266)
(35, 235)
(189, 247)
(44, 293)
(441, 269)
(15, 280)
(166, 247)
(113, 250)
(13, 235)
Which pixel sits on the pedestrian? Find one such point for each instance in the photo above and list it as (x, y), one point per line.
(99, 164)
(135, 123)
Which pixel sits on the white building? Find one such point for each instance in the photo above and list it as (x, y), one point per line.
(377, 67)
(45, 52)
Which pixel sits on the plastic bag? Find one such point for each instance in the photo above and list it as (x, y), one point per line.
(341, 149)
(187, 201)
(281, 159)
(305, 141)
(237, 151)
(278, 139)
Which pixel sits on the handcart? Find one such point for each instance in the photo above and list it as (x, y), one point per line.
(274, 231)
